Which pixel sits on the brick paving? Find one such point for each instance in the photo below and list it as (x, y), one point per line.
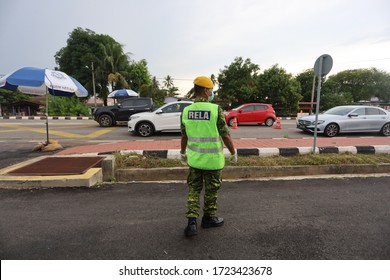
(174, 144)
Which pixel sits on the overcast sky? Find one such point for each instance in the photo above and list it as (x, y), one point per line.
(184, 38)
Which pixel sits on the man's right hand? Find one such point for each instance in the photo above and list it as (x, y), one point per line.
(233, 158)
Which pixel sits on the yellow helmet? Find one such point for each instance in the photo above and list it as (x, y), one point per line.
(204, 81)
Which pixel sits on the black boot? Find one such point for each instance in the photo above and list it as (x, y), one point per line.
(208, 222)
(191, 228)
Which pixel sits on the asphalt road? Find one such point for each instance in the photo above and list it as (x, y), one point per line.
(307, 219)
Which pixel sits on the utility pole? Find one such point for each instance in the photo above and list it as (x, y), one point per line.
(93, 84)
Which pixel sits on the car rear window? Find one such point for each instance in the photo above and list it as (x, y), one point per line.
(260, 107)
(136, 102)
(339, 111)
(374, 111)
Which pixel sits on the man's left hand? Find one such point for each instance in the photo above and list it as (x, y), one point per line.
(183, 158)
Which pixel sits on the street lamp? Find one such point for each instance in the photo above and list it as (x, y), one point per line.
(93, 84)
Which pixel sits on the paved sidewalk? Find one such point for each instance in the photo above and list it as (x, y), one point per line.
(247, 143)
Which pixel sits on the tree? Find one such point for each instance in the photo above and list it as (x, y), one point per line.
(83, 48)
(9, 97)
(305, 79)
(153, 91)
(138, 75)
(170, 87)
(113, 64)
(237, 83)
(362, 84)
(113, 68)
(279, 88)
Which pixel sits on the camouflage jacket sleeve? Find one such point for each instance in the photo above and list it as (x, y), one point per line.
(221, 123)
(182, 127)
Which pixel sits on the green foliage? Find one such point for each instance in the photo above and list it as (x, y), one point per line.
(305, 78)
(169, 86)
(67, 106)
(237, 83)
(153, 91)
(361, 84)
(240, 82)
(140, 161)
(9, 97)
(347, 87)
(83, 47)
(331, 97)
(277, 87)
(113, 68)
(138, 75)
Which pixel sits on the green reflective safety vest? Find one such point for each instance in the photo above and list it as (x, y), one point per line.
(204, 147)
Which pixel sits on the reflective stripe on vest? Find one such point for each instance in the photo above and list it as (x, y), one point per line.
(205, 150)
(205, 147)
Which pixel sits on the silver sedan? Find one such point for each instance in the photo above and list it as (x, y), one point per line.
(346, 119)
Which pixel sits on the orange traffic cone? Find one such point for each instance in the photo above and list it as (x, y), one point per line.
(234, 123)
(278, 125)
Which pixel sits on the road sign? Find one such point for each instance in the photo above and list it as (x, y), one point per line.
(323, 65)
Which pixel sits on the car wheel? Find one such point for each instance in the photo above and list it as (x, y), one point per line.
(269, 122)
(106, 120)
(231, 121)
(331, 130)
(385, 131)
(145, 129)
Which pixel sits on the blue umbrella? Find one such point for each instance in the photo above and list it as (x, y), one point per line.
(39, 81)
(123, 93)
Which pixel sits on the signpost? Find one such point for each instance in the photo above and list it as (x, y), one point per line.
(322, 67)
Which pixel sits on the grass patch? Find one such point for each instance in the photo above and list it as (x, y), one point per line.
(139, 161)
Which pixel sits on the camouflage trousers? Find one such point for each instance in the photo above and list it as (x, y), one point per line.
(211, 179)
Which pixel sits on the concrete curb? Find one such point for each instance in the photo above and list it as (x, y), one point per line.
(250, 172)
(175, 154)
(253, 172)
(91, 177)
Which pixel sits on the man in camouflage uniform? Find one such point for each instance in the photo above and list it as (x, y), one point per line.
(204, 131)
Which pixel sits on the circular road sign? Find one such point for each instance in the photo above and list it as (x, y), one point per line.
(327, 63)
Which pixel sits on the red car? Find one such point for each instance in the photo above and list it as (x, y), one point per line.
(252, 113)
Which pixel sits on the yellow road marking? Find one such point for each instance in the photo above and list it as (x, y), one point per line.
(58, 133)
(13, 130)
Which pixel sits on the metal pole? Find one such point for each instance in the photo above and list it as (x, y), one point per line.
(47, 117)
(312, 94)
(93, 84)
(317, 104)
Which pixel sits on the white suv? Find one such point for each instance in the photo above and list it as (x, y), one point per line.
(165, 118)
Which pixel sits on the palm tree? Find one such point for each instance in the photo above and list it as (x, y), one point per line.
(214, 79)
(170, 87)
(168, 82)
(110, 70)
